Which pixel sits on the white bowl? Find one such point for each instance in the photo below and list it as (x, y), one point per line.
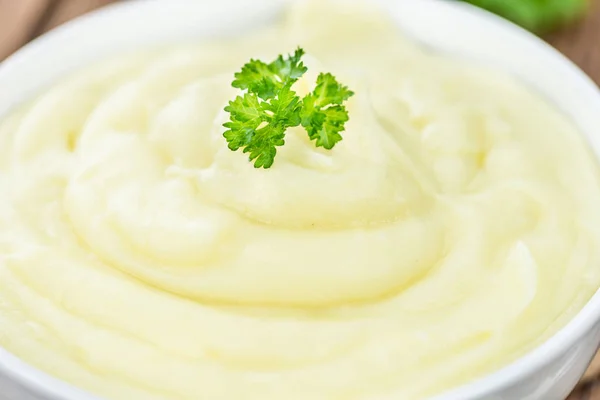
(547, 373)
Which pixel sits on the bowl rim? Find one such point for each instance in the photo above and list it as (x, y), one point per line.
(525, 366)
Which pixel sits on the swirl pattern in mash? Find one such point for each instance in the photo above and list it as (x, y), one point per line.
(454, 228)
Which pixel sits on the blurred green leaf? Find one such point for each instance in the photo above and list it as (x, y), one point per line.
(536, 15)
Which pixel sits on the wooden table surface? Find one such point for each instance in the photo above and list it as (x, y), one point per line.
(23, 20)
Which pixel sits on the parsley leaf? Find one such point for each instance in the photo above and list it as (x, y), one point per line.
(265, 80)
(324, 115)
(260, 118)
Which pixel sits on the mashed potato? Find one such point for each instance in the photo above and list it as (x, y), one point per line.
(455, 227)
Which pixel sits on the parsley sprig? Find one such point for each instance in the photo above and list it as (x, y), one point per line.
(260, 117)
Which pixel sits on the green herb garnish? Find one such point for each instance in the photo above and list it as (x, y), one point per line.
(260, 117)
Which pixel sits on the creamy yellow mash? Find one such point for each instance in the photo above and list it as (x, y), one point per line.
(456, 226)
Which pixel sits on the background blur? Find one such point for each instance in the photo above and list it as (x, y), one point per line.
(572, 26)
(536, 15)
(23, 20)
